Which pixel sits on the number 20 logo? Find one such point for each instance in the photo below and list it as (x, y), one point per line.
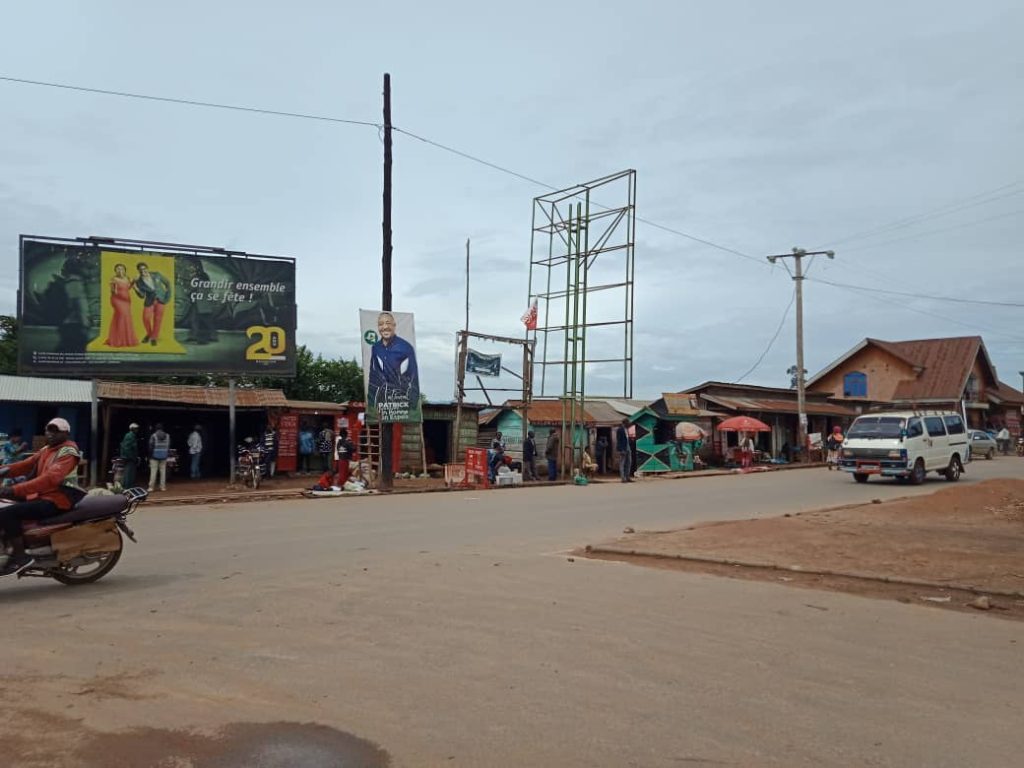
(269, 342)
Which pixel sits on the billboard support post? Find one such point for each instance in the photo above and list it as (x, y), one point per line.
(386, 479)
(232, 441)
(94, 432)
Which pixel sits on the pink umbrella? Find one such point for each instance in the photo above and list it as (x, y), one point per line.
(743, 424)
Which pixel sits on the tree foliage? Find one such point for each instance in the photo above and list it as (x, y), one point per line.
(8, 345)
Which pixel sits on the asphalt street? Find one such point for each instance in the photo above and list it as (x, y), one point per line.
(453, 629)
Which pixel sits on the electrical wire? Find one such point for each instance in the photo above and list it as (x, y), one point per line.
(928, 297)
(953, 228)
(944, 210)
(189, 102)
(378, 126)
(774, 338)
(945, 318)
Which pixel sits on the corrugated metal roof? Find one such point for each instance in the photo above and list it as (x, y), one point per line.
(768, 405)
(622, 406)
(316, 405)
(191, 395)
(35, 389)
(546, 411)
(681, 404)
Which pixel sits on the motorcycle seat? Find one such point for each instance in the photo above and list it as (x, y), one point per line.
(91, 508)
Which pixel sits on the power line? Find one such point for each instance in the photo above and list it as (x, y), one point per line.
(918, 295)
(941, 211)
(190, 102)
(774, 338)
(546, 185)
(378, 126)
(953, 228)
(945, 318)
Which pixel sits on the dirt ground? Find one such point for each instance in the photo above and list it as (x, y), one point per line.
(960, 543)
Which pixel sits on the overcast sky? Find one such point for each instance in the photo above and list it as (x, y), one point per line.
(758, 126)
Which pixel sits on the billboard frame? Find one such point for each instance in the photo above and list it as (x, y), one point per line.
(129, 245)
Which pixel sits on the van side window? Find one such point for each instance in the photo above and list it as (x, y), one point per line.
(955, 425)
(934, 426)
(914, 428)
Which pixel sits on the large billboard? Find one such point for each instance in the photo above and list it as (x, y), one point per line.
(110, 307)
(390, 374)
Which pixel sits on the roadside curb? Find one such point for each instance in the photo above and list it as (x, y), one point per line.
(612, 550)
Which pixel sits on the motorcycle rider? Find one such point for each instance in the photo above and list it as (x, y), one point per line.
(51, 488)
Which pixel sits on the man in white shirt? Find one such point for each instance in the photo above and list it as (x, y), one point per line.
(195, 451)
(1003, 438)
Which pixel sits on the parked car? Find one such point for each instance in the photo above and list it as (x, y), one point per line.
(906, 445)
(982, 444)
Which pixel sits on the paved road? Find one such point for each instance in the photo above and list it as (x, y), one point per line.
(451, 629)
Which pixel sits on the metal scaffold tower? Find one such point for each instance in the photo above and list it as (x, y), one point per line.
(581, 276)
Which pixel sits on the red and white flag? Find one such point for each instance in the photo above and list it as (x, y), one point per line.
(529, 317)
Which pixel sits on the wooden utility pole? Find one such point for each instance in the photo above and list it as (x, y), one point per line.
(386, 479)
(798, 277)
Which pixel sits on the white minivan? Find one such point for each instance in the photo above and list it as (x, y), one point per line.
(906, 445)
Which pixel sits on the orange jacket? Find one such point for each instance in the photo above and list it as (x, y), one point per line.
(53, 467)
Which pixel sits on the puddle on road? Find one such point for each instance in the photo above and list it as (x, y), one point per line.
(240, 745)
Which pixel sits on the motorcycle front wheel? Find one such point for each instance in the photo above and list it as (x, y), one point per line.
(86, 570)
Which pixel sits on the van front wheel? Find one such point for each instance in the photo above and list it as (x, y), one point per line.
(860, 477)
(952, 472)
(917, 473)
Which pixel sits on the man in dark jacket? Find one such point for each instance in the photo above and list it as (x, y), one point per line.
(530, 457)
(130, 453)
(51, 488)
(551, 451)
(623, 448)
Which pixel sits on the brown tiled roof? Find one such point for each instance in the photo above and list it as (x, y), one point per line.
(190, 395)
(946, 364)
(1008, 394)
(770, 405)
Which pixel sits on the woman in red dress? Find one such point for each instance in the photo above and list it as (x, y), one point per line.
(122, 332)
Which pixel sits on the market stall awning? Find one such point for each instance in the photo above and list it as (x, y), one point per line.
(771, 405)
(183, 394)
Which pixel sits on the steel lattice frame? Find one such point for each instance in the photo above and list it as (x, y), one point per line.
(582, 244)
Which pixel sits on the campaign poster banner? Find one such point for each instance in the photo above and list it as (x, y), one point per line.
(481, 364)
(89, 308)
(390, 373)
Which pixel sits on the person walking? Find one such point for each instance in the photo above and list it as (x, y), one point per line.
(159, 450)
(195, 451)
(1003, 438)
(530, 457)
(834, 445)
(746, 451)
(344, 453)
(307, 443)
(551, 454)
(325, 447)
(129, 451)
(270, 450)
(625, 454)
(601, 451)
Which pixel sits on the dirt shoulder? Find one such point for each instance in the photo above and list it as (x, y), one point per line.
(946, 549)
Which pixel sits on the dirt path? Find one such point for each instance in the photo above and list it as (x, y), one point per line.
(952, 547)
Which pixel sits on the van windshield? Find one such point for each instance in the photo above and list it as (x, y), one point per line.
(877, 427)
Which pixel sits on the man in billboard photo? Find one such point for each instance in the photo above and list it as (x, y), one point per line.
(155, 291)
(393, 374)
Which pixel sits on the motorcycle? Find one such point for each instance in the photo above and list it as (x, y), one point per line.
(83, 544)
(1020, 446)
(250, 467)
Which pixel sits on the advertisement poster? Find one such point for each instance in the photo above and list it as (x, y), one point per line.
(481, 364)
(102, 309)
(288, 442)
(390, 374)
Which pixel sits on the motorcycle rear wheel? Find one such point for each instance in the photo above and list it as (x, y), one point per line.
(87, 573)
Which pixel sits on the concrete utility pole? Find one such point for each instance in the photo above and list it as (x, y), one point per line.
(798, 277)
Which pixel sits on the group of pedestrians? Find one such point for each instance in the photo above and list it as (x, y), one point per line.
(552, 454)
